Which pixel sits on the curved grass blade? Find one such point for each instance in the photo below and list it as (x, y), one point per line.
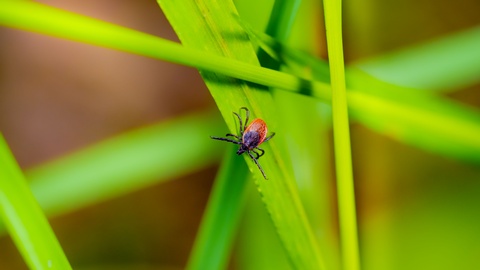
(24, 219)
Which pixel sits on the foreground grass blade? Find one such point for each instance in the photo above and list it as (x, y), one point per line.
(341, 134)
(24, 219)
(221, 34)
(125, 163)
(220, 221)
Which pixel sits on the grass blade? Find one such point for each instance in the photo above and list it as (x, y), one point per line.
(448, 63)
(24, 219)
(341, 133)
(40, 18)
(279, 26)
(221, 34)
(220, 221)
(125, 163)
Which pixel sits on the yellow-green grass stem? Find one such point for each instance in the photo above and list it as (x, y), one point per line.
(341, 134)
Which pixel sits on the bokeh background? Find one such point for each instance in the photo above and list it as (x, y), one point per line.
(58, 96)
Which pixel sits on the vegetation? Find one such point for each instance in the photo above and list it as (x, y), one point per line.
(399, 95)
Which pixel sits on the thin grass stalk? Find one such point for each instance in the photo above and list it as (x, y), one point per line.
(341, 133)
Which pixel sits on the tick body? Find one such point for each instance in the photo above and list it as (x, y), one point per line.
(249, 138)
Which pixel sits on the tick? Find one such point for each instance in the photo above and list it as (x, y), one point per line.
(250, 137)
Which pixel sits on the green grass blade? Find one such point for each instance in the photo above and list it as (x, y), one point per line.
(279, 26)
(24, 219)
(220, 221)
(125, 163)
(259, 245)
(221, 34)
(432, 130)
(40, 18)
(341, 134)
(448, 63)
(282, 18)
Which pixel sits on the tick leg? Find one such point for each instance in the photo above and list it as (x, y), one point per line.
(258, 165)
(259, 149)
(258, 156)
(233, 135)
(240, 121)
(225, 139)
(269, 137)
(247, 115)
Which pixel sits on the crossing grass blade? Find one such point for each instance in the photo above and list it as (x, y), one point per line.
(125, 163)
(24, 220)
(40, 18)
(444, 64)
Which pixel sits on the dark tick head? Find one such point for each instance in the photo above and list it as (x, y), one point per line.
(243, 148)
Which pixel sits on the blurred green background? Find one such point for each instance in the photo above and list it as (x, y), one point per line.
(417, 210)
